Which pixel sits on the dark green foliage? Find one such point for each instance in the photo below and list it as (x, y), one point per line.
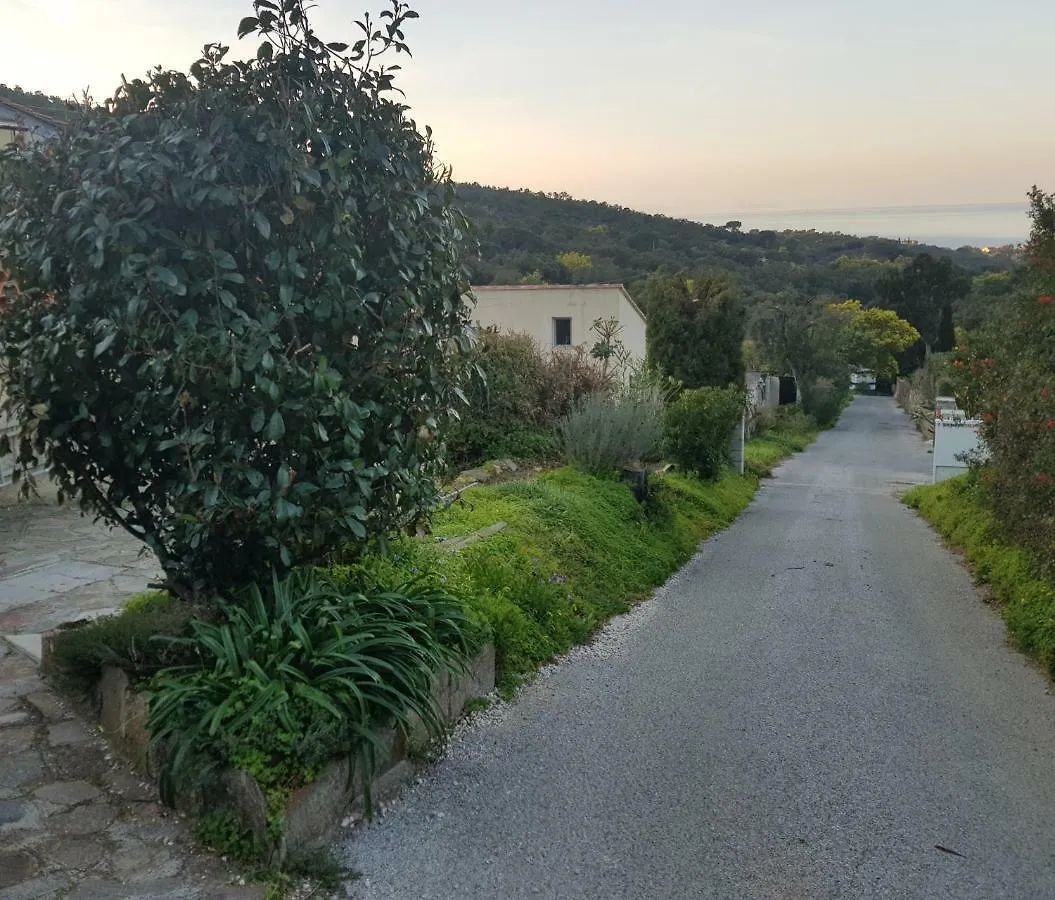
(1005, 375)
(699, 429)
(222, 833)
(696, 330)
(522, 232)
(960, 509)
(237, 313)
(924, 293)
(300, 672)
(824, 400)
(516, 399)
(991, 299)
(799, 337)
(129, 640)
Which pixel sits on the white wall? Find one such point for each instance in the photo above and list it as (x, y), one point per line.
(763, 389)
(954, 437)
(531, 309)
(633, 333)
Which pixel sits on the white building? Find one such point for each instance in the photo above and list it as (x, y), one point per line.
(558, 315)
(20, 123)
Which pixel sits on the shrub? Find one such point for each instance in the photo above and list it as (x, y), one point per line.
(567, 377)
(300, 672)
(516, 398)
(237, 313)
(606, 432)
(1006, 378)
(824, 400)
(699, 428)
(783, 420)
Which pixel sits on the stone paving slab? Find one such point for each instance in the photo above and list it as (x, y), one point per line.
(58, 566)
(77, 823)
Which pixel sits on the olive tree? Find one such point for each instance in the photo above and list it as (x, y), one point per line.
(233, 304)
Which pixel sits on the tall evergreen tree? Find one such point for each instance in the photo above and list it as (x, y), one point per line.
(696, 329)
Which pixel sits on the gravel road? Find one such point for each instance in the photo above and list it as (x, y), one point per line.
(819, 705)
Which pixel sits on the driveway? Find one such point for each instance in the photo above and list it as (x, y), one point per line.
(820, 705)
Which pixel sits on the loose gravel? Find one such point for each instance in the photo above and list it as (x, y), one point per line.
(820, 705)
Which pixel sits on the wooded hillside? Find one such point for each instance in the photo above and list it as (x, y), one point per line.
(526, 236)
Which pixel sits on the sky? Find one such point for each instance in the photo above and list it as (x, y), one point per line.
(770, 112)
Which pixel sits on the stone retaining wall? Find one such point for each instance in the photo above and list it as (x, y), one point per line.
(314, 812)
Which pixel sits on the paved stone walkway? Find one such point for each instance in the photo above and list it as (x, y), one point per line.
(77, 823)
(58, 566)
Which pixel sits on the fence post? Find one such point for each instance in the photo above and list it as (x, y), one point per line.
(736, 445)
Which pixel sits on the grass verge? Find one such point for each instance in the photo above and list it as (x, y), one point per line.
(576, 550)
(763, 454)
(957, 510)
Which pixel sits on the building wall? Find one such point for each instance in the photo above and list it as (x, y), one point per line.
(531, 309)
(764, 390)
(633, 333)
(15, 121)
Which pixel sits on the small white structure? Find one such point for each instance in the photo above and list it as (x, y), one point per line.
(763, 390)
(561, 315)
(955, 439)
(864, 380)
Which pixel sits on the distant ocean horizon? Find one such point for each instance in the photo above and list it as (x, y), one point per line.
(950, 225)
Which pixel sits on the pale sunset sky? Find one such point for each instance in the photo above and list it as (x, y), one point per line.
(687, 107)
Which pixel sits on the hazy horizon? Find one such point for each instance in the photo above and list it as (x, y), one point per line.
(945, 225)
(766, 110)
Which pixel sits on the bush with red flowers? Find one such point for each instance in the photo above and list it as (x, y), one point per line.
(1006, 377)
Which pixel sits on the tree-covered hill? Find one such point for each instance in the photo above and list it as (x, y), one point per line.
(526, 236)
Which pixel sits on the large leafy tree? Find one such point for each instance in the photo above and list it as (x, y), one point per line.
(924, 293)
(696, 329)
(234, 310)
(872, 339)
(820, 343)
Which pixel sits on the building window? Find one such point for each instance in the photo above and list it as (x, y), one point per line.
(562, 332)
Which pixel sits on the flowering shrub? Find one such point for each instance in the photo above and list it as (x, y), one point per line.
(1006, 378)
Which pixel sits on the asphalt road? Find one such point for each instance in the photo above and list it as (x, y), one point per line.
(812, 708)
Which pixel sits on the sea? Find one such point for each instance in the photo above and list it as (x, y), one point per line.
(955, 225)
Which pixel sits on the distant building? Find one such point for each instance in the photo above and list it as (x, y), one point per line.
(21, 123)
(561, 315)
